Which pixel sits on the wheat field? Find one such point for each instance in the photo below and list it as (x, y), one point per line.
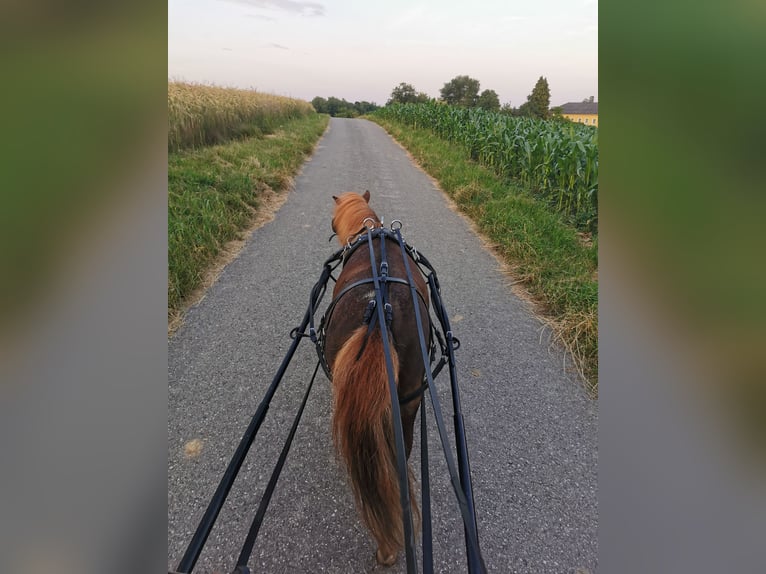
(200, 114)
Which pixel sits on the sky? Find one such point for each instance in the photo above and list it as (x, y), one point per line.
(360, 51)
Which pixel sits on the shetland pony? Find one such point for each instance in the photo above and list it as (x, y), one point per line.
(361, 420)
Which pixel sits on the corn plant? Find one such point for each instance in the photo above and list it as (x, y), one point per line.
(556, 160)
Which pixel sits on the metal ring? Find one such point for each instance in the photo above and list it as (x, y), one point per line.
(372, 223)
(394, 222)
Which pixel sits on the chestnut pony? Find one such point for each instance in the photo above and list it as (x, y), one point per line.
(362, 420)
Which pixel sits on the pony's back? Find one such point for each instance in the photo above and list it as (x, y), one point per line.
(362, 422)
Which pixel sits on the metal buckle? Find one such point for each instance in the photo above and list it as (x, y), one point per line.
(371, 225)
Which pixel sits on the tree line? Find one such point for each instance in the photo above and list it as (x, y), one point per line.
(339, 108)
(464, 91)
(459, 91)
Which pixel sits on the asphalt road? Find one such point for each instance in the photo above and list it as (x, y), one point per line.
(531, 429)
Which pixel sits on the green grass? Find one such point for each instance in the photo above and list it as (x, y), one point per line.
(556, 266)
(214, 193)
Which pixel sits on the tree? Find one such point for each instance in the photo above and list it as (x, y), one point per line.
(346, 111)
(588, 100)
(556, 114)
(540, 99)
(489, 100)
(406, 93)
(365, 107)
(340, 108)
(461, 91)
(524, 109)
(334, 105)
(320, 105)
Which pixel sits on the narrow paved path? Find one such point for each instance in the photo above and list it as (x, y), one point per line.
(531, 429)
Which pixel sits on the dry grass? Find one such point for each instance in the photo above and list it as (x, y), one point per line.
(549, 266)
(201, 115)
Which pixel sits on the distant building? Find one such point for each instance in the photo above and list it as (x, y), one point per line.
(582, 112)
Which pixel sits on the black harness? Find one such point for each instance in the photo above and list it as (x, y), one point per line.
(370, 317)
(377, 313)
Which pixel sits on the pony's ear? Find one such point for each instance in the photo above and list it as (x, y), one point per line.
(335, 197)
(366, 195)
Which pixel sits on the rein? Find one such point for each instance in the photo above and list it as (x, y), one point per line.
(459, 475)
(379, 313)
(401, 460)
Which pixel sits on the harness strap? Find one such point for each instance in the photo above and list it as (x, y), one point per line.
(421, 389)
(247, 547)
(355, 284)
(359, 283)
(475, 560)
(342, 256)
(383, 317)
(383, 263)
(205, 525)
(401, 460)
(428, 553)
(370, 319)
(368, 316)
(317, 292)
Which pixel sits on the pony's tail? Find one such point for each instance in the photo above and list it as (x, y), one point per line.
(363, 434)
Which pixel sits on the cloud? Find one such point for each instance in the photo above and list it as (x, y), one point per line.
(280, 46)
(292, 6)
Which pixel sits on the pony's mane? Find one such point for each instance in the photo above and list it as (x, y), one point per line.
(351, 209)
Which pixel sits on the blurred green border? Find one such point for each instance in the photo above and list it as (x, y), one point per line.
(682, 192)
(85, 96)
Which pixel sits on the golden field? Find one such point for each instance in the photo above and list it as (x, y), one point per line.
(200, 115)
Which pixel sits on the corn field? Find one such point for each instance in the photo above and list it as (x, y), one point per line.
(201, 115)
(558, 160)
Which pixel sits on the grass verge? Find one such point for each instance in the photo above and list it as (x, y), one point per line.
(214, 193)
(556, 266)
